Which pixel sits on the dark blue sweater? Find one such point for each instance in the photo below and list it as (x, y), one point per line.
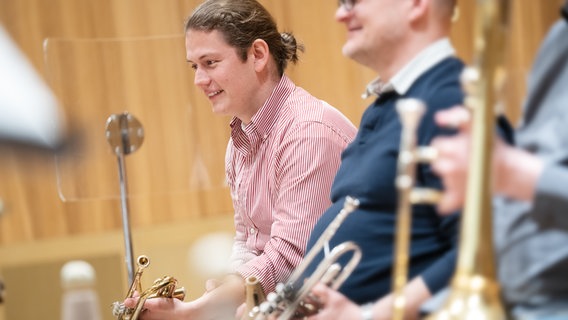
(368, 171)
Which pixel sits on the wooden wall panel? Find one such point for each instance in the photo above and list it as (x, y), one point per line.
(165, 186)
(175, 196)
(529, 22)
(29, 188)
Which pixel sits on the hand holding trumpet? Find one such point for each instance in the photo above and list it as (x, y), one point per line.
(334, 305)
(155, 308)
(515, 172)
(215, 303)
(133, 305)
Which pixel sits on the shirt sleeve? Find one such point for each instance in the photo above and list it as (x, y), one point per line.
(307, 161)
(439, 274)
(551, 199)
(240, 253)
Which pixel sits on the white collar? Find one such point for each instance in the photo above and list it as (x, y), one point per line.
(405, 77)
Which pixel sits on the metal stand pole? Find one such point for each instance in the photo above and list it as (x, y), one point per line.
(125, 135)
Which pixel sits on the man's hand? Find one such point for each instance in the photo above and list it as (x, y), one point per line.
(452, 162)
(219, 301)
(514, 172)
(334, 305)
(159, 308)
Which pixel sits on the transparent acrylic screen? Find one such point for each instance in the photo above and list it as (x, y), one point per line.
(184, 142)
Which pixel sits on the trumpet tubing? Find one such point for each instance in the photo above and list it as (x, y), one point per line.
(410, 112)
(328, 272)
(289, 302)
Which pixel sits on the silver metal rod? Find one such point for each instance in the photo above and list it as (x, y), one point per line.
(129, 253)
(125, 135)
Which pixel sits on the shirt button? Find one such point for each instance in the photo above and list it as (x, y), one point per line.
(252, 230)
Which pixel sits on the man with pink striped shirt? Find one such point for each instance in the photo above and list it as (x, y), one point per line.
(284, 150)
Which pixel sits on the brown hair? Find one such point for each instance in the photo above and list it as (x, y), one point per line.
(242, 22)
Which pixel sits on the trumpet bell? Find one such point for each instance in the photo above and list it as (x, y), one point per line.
(472, 298)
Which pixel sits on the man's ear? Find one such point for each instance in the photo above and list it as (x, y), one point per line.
(260, 52)
(419, 8)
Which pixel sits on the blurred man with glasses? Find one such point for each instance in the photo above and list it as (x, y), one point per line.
(406, 42)
(530, 220)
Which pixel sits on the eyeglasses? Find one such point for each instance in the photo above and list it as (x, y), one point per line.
(347, 4)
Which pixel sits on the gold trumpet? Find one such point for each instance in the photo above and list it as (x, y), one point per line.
(287, 302)
(165, 287)
(410, 113)
(474, 291)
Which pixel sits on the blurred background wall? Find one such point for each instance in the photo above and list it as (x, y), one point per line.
(111, 56)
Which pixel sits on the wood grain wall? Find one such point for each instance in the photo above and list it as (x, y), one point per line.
(58, 208)
(177, 175)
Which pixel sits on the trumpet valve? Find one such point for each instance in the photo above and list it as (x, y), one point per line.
(425, 196)
(118, 309)
(179, 293)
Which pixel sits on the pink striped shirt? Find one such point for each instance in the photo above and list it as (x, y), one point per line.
(280, 168)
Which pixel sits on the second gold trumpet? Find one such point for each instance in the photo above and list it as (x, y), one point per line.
(410, 112)
(289, 302)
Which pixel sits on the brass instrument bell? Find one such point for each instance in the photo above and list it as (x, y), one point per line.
(474, 291)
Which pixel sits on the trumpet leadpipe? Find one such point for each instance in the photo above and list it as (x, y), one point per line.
(410, 113)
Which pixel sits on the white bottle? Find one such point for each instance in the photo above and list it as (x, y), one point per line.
(80, 300)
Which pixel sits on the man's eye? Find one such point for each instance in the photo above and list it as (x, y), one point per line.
(194, 66)
(210, 62)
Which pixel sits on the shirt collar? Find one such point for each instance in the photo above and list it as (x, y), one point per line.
(405, 77)
(249, 135)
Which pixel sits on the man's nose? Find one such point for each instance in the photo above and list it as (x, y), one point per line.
(201, 78)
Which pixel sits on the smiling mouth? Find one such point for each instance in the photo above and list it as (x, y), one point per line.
(353, 29)
(212, 94)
